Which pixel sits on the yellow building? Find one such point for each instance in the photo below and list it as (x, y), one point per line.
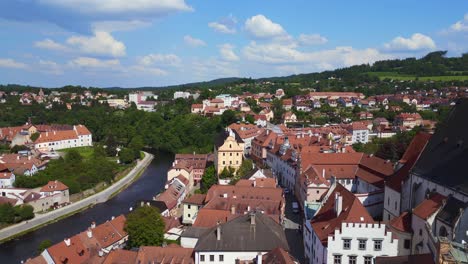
(229, 152)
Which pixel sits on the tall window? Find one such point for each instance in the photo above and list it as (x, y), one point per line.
(211, 258)
(406, 244)
(352, 259)
(337, 259)
(221, 258)
(367, 260)
(346, 243)
(377, 245)
(362, 244)
(202, 258)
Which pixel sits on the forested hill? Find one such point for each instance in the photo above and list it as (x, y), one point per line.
(435, 66)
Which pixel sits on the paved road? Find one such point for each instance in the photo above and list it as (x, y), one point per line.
(89, 201)
(293, 234)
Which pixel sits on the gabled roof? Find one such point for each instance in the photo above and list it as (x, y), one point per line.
(165, 255)
(241, 235)
(121, 256)
(197, 198)
(326, 220)
(210, 217)
(402, 222)
(443, 160)
(278, 256)
(409, 158)
(429, 206)
(54, 186)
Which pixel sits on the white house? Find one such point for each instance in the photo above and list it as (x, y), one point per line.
(342, 231)
(228, 99)
(180, 94)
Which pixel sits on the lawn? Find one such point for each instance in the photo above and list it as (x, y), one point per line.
(85, 152)
(405, 77)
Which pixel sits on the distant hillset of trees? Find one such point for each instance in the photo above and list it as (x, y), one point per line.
(431, 65)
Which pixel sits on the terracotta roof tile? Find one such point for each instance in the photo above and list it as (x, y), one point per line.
(54, 186)
(429, 206)
(198, 199)
(326, 220)
(121, 256)
(402, 223)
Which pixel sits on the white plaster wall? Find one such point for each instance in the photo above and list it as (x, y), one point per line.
(355, 231)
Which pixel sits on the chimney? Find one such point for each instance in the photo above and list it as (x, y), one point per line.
(268, 132)
(233, 209)
(29, 157)
(93, 225)
(46, 133)
(323, 173)
(259, 258)
(218, 231)
(67, 242)
(254, 183)
(252, 218)
(338, 204)
(89, 233)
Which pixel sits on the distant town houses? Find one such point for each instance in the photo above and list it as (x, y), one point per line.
(143, 100)
(48, 137)
(52, 195)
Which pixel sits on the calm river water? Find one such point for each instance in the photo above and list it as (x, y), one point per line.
(150, 183)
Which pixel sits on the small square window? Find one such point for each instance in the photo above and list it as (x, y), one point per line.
(337, 259)
(346, 243)
(367, 260)
(362, 244)
(377, 245)
(352, 259)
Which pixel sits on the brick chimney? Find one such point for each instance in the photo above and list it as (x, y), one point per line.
(233, 209)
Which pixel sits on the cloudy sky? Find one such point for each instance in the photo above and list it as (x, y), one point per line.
(162, 42)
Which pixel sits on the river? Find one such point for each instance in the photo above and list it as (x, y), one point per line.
(150, 183)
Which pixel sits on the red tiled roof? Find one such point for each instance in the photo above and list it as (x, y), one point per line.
(260, 182)
(409, 158)
(170, 222)
(82, 130)
(110, 232)
(429, 206)
(197, 199)
(210, 217)
(197, 106)
(402, 223)
(326, 220)
(165, 255)
(121, 256)
(278, 256)
(54, 186)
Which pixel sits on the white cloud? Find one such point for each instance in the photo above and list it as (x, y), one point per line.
(261, 27)
(227, 52)
(288, 54)
(50, 67)
(88, 62)
(226, 25)
(50, 45)
(312, 39)
(10, 63)
(116, 25)
(194, 42)
(221, 28)
(140, 69)
(102, 43)
(417, 41)
(161, 59)
(211, 68)
(121, 6)
(461, 25)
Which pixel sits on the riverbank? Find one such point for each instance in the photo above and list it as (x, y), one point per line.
(101, 197)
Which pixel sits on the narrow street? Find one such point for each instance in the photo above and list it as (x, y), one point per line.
(293, 233)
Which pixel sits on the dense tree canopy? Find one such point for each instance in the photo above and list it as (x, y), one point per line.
(145, 227)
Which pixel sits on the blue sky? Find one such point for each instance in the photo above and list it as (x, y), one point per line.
(135, 43)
